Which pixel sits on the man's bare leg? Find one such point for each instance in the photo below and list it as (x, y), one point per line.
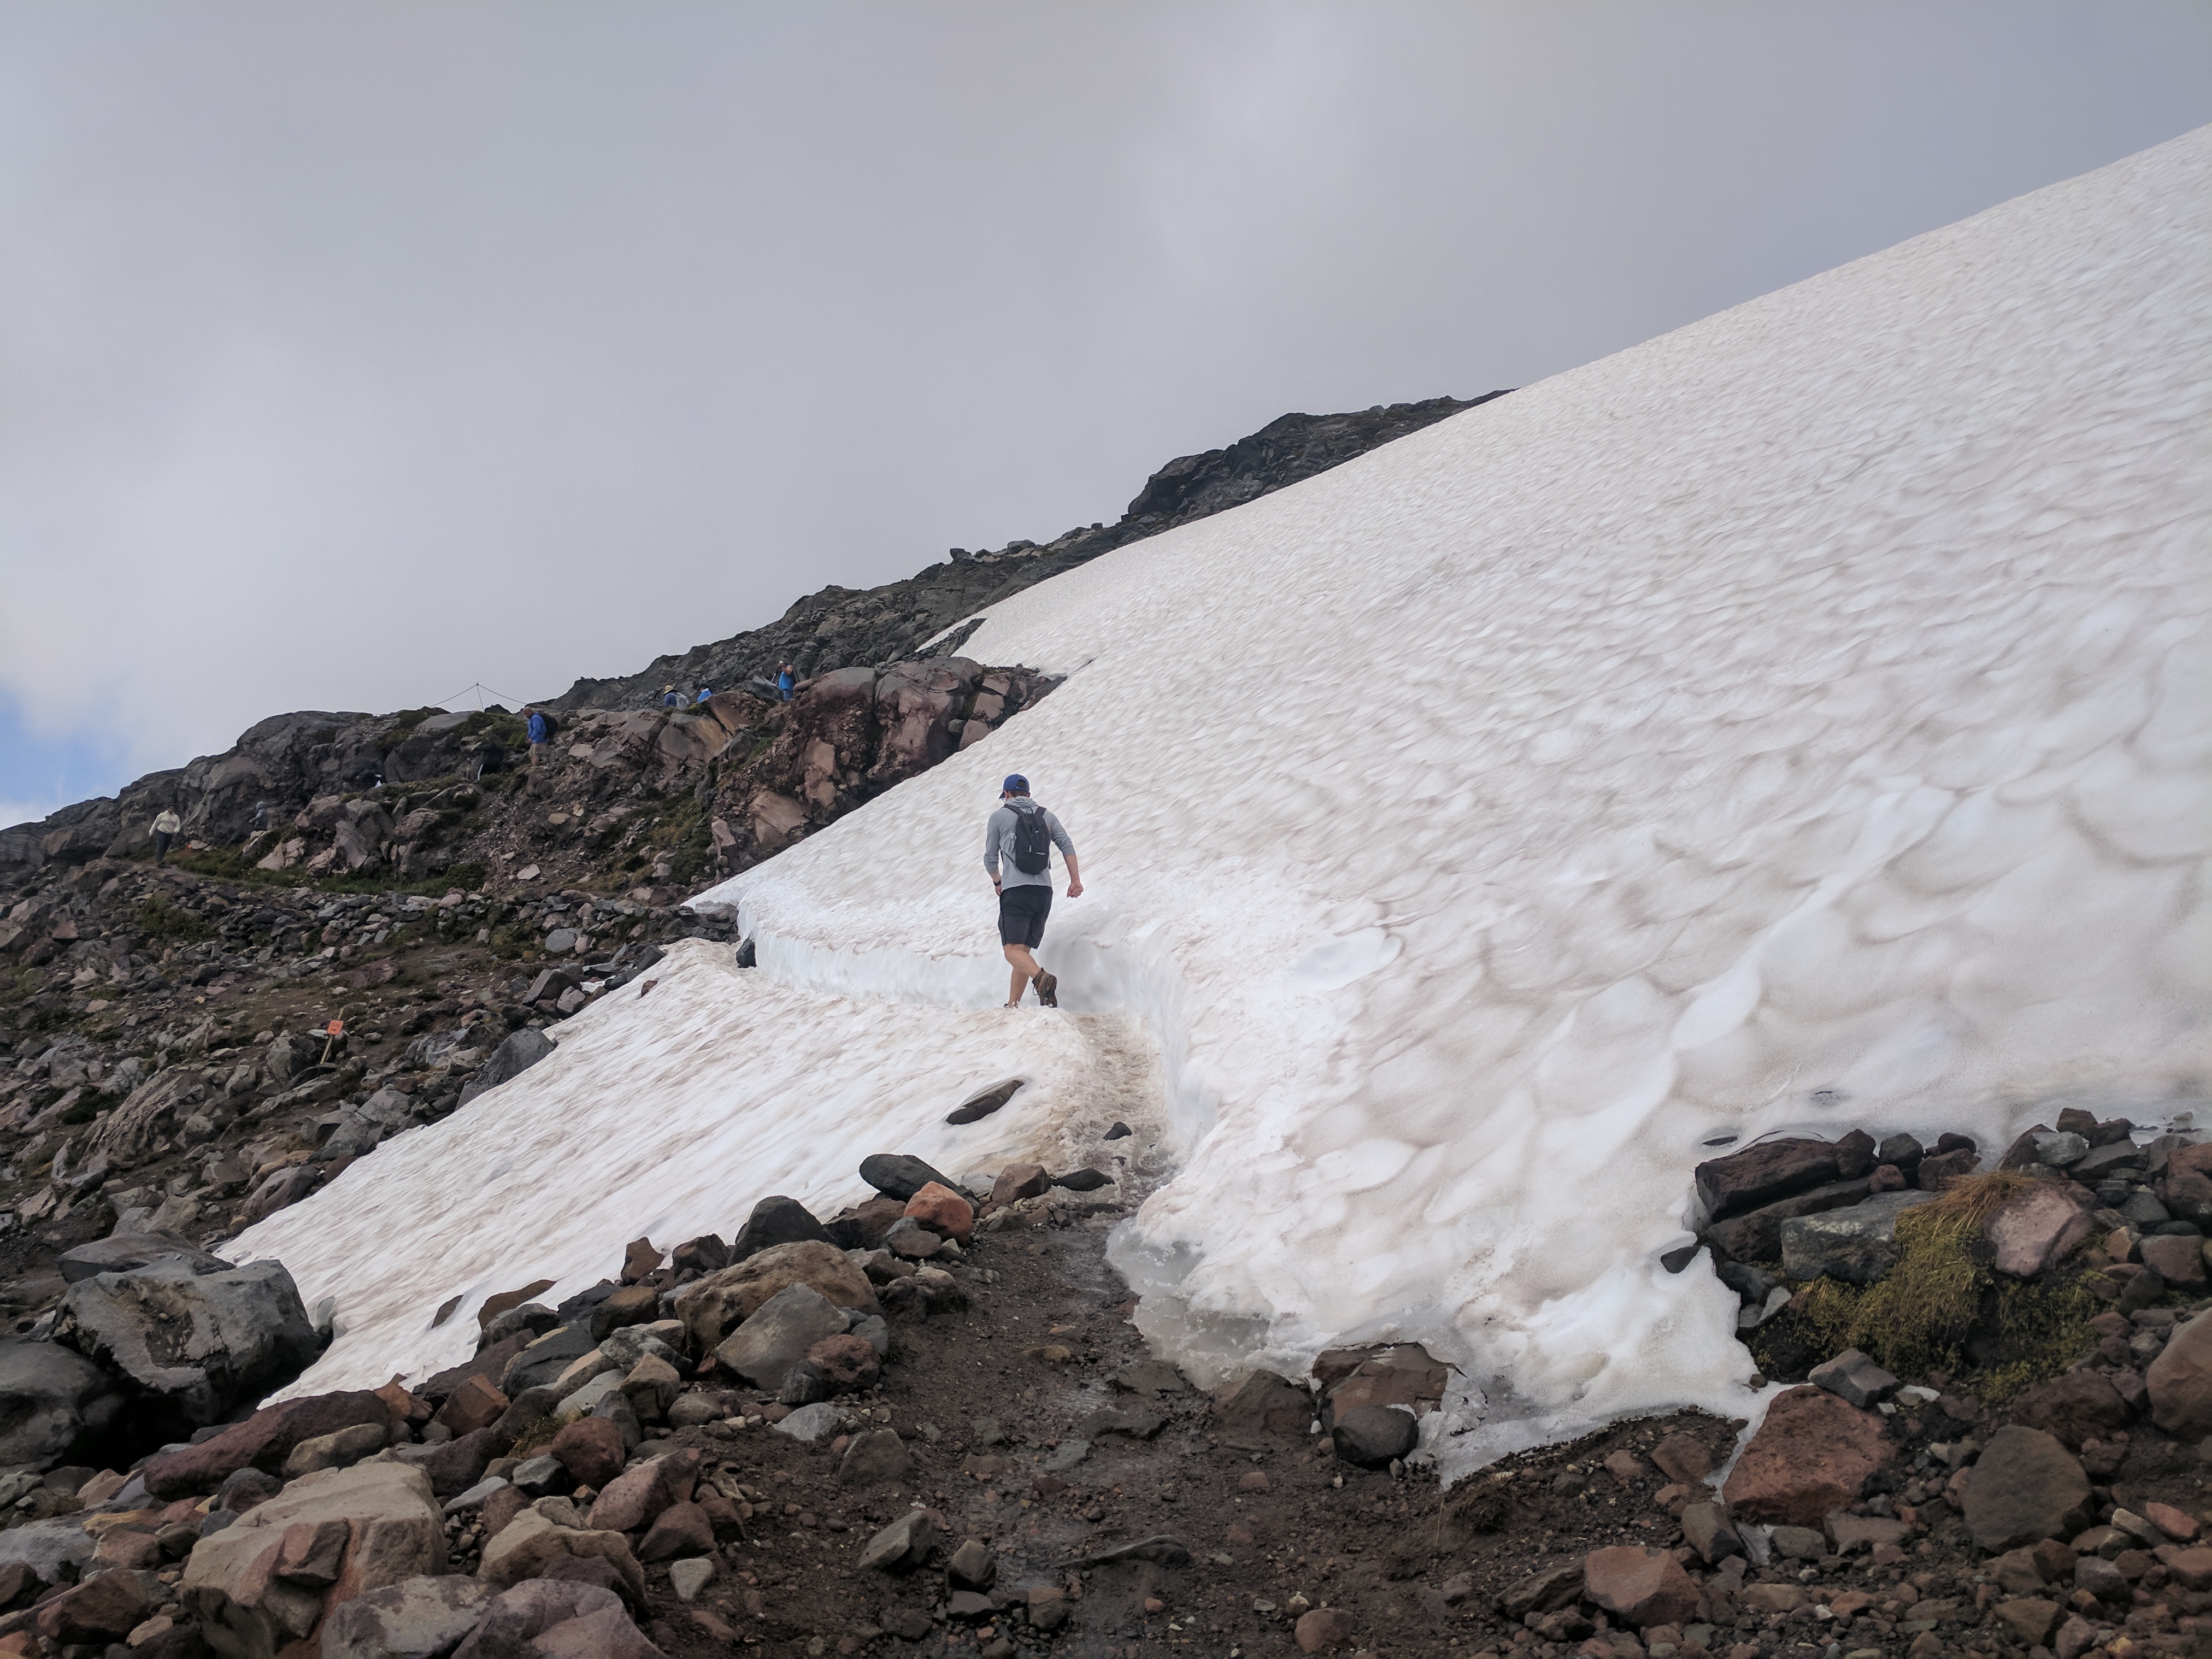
(1026, 969)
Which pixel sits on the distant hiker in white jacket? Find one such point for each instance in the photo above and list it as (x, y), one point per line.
(167, 824)
(1017, 845)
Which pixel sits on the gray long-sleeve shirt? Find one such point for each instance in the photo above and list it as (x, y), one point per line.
(999, 842)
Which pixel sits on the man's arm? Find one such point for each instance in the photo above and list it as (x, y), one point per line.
(1075, 878)
(991, 849)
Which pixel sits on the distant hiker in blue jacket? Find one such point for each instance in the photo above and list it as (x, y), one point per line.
(671, 697)
(783, 682)
(1020, 836)
(541, 734)
(705, 692)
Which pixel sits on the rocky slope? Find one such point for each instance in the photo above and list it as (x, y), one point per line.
(840, 627)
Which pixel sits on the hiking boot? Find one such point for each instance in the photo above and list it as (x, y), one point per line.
(1048, 990)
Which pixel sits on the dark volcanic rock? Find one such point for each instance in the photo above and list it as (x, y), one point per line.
(1759, 1175)
(894, 1174)
(777, 1221)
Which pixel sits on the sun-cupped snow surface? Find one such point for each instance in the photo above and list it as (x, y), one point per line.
(1800, 720)
(667, 1114)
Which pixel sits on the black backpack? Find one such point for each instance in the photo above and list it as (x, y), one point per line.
(1032, 842)
(551, 725)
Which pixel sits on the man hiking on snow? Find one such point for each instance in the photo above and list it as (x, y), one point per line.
(1020, 837)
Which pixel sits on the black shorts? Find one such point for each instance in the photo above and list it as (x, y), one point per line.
(1022, 911)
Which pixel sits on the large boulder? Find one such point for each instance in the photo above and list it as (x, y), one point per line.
(2024, 1488)
(2180, 1381)
(1858, 1244)
(415, 1618)
(273, 1575)
(52, 1402)
(263, 1441)
(148, 1116)
(1756, 1234)
(2037, 1228)
(556, 1619)
(899, 1174)
(531, 1544)
(195, 1343)
(520, 1051)
(711, 1306)
(764, 1348)
(1812, 1454)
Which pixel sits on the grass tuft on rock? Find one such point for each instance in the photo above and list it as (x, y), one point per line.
(1942, 1307)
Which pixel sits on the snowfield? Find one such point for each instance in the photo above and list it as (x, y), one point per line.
(1800, 721)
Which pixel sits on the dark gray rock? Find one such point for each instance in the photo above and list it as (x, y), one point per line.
(894, 1174)
(544, 1359)
(522, 1050)
(903, 1545)
(532, 1318)
(1851, 1376)
(1903, 1150)
(1760, 1174)
(1857, 1245)
(197, 1343)
(413, 1618)
(1371, 1436)
(764, 1348)
(1083, 1181)
(52, 1402)
(983, 1104)
(877, 1458)
(776, 1220)
(1756, 1234)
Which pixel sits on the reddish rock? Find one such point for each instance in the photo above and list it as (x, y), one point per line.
(104, 1609)
(1324, 1630)
(635, 1498)
(492, 1362)
(591, 1448)
(850, 1362)
(2038, 1229)
(2179, 1381)
(498, 1304)
(502, 1507)
(944, 1212)
(1940, 1170)
(639, 1257)
(1887, 1178)
(263, 1441)
(1640, 1586)
(2175, 1523)
(1402, 1374)
(1812, 1454)
(2186, 1186)
(1759, 1175)
(477, 1404)
(2191, 1568)
(679, 1529)
(1019, 1181)
(2075, 1407)
(405, 1407)
(2179, 1260)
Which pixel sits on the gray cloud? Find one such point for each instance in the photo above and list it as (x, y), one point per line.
(349, 354)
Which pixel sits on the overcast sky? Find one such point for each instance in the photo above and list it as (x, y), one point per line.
(352, 353)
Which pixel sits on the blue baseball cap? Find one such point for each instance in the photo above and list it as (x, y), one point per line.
(1016, 784)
